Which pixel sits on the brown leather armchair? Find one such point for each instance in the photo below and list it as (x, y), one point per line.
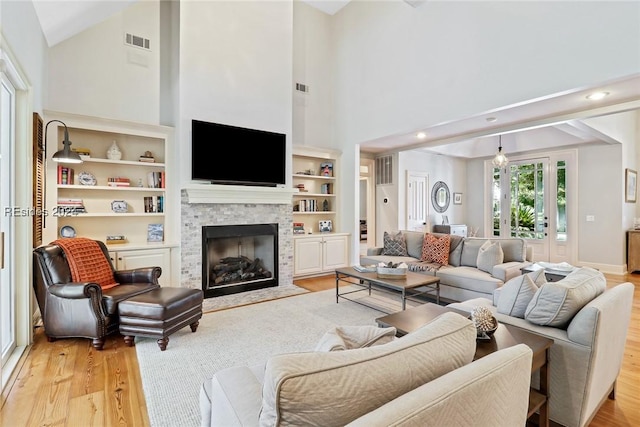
(71, 309)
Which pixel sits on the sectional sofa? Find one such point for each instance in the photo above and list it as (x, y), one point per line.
(588, 324)
(460, 278)
(426, 378)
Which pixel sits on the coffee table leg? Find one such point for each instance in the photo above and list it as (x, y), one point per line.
(337, 280)
(404, 299)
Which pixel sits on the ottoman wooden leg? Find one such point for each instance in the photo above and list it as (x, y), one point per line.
(194, 326)
(98, 343)
(162, 343)
(128, 340)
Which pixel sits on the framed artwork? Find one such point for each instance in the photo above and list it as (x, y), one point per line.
(630, 184)
(457, 198)
(326, 169)
(155, 233)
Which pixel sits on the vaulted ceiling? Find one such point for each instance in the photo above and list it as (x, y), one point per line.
(553, 121)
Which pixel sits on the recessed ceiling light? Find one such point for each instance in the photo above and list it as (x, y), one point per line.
(595, 96)
(421, 135)
(491, 119)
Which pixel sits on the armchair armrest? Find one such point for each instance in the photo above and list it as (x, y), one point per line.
(75, 290)
(139, 275)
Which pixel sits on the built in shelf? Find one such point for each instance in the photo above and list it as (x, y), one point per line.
(108, 188)
(123, 162)
(301, 175)
(112, 214)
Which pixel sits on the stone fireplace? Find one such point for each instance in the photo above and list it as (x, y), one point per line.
(219, 205)
(239, 258)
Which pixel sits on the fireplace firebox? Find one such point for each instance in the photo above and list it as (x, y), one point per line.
(239, 258)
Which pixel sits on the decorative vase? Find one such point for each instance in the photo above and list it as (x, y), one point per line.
(114, 153)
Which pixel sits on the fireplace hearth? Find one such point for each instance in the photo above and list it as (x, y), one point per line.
(239, 258)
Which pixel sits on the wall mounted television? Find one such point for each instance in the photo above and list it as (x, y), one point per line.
(224, 154)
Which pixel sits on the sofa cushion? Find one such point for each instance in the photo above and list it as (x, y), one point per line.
(517, 293)
(394, 244)
(414, 241)
(489, 254)
(436, 249)
(555, 303)
(468, 278)
(470, 249)
(318, 388)
(514, 249)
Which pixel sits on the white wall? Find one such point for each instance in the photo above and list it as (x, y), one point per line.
(235, 68)
(94, 73)
(400, 68)
(450, 170)
(313, 65)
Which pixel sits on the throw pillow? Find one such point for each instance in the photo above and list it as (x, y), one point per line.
(516, 294)
(436, 249)
(555, 303)
(490, 254)
(394, 245)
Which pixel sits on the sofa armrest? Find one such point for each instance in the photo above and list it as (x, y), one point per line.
(139, 275)
(445, 400)
(508, 270)
(75, 290)
(374, 251)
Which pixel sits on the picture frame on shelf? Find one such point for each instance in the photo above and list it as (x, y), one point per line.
(325, 226)
(457, 198)
(630, 185)
(155, 233)
(326, 169)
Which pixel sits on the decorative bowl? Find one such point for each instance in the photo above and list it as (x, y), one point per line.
(391, 273)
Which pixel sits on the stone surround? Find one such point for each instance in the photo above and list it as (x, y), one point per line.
(194, 216)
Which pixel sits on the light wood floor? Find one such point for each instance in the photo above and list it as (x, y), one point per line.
(68, 383)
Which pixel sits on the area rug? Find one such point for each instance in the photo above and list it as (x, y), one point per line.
(250, 297)
(245, 335)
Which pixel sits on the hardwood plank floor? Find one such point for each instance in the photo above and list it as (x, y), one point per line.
(69, 383)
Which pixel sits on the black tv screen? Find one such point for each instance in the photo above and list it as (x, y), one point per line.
(224, 154)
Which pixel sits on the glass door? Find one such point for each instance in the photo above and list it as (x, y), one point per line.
(530, 199)
(7, 284)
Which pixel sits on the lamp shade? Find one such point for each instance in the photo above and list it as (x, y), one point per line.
(66, 155)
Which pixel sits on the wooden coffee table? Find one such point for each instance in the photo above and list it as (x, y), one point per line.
(407, 286)
(505, 336)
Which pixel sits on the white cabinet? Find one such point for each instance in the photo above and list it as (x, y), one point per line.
(128, 260)
(315, 254)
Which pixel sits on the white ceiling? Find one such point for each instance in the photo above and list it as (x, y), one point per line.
(552, 121)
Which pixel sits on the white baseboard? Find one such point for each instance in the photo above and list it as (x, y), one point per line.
(619, 269)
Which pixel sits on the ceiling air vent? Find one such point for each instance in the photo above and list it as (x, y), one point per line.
(136, 41)
(384, 170)
(302, 88)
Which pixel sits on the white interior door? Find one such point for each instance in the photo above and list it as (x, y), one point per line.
(417, 201)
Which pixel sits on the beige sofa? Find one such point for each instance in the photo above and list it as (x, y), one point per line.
(587, 353)
(461, 279)
(425, 378)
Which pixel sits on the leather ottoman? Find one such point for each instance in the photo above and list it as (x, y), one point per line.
(159, 313)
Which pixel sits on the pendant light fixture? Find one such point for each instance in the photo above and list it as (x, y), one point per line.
(500, 160)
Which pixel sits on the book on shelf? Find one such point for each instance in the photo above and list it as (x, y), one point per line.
(298, 228)
(147, 159)
(154, 204)
(65, 175)
(118, 182)
(155, 233)
(156, 179)
(325, 188)
(307, 205)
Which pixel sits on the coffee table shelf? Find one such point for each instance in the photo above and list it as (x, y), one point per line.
(409, 287)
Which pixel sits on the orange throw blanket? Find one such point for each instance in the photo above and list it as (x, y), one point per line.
(87, 261)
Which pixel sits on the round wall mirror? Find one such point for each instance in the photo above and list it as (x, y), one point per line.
(440, 197)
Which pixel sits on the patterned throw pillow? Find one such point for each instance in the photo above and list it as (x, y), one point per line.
(436, 249)
(394, 245)
(490, 254)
